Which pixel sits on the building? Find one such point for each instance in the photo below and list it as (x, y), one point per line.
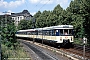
(17, 17)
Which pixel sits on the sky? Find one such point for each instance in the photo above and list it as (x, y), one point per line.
(33, 6)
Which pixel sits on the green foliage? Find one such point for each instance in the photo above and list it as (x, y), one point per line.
(42, 19)
(78, 41)
(30, 24)
(18, 53)
(8, 31)
(23, 25)
(81, 17)
(57, 10)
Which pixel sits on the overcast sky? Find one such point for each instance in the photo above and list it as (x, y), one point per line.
(31, 5)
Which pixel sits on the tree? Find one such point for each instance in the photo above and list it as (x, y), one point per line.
(85, 11)
(8, 31)
(37, 14)
(30, 24)
(23, 25)
(42, 19)
(57, 10)
(80, 10)
(57, 15)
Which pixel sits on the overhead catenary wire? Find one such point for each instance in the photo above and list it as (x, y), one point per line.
(37, 5)
(44, 5)
(26, 4)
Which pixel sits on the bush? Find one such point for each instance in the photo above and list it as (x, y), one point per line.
(7, 53)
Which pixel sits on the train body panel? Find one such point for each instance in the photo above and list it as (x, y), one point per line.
(60, 39)
(21, 35)
(44, 37)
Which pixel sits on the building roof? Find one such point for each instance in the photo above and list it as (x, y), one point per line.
(23, 13)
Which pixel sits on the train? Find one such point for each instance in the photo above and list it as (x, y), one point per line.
(60, 35)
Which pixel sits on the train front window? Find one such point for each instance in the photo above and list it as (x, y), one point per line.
(61, 31)
(66, 31)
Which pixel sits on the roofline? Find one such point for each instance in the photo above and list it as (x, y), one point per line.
(50, 28)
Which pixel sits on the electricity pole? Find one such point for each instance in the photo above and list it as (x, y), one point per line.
(84, 42)
(33, 21)
(42, 35)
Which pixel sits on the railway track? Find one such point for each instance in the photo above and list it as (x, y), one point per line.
(43, 53)
(38, 52)
(75, 53)
(79, 50)
(80, 47)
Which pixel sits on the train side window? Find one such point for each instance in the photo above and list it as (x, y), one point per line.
(50, 32)
(43, 32)
(46, 33)
(71, 31)
(31, 32)
(40, 33)
(61, 31)
(53, 32)
(36, 32)
(28, 33)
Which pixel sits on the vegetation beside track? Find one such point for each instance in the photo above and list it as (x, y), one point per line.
(10, 48)
(17, 54)
(79, 41)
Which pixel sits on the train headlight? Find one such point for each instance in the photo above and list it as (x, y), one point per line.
(60, 38)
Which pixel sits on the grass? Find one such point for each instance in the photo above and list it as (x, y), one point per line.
(78, 41)
(17, 54)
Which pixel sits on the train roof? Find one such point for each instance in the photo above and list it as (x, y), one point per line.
(58, 27)
(38, 29)
(49, 28)
(63, 27)
(26, 30)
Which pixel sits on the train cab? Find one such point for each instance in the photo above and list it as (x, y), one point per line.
(64, 34)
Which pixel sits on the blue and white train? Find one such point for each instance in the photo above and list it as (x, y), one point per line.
(60, 35)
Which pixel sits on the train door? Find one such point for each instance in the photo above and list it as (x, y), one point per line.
(57, 31)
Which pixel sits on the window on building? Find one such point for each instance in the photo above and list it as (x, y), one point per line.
(12, 18)
(15, 18)
(18, 18)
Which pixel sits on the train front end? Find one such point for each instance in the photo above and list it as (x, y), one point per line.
(64, 35)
